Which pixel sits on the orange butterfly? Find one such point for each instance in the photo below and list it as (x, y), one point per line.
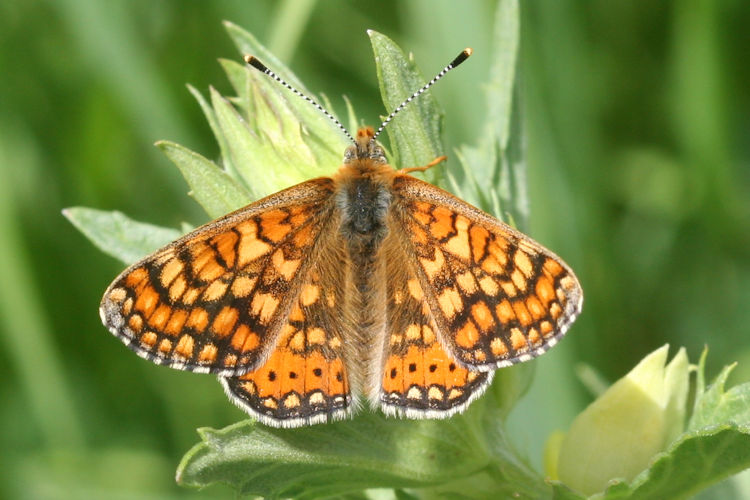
(371, 282)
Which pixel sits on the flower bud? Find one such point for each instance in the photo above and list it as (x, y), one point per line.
(619, 433)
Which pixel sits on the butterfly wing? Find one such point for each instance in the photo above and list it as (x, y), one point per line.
(304, 381)
(417, 378)
(216, 299)
(497, 296)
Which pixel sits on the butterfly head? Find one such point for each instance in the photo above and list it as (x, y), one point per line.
(365, 148)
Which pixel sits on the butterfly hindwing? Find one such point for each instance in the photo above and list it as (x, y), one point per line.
(214, 300)
(418, 378)
(304, 380)
(497, 297)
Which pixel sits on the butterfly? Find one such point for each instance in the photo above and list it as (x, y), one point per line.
(369, 284)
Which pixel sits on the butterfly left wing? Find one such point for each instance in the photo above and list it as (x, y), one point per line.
(416, 377)
(215, 300)
(497, 296)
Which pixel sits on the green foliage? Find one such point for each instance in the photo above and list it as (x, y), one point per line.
(470, 454)
(415, 134)
(715, 445)
(633, 119)
(370, 451)
(115, 234)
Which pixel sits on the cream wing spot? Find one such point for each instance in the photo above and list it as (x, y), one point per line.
(413, 332)
(309, 295)
(177, 289)
(170, 271)
(317, 398)
(433, 267)
(250, 247)
(459, 245)
(242, 286)
(286, 268)
(467, 282)
(118, 294)
(509, 288)
(264, 306)
(428, 336)
(215, 291)
(414, 393)
(435, 393)
(519, 280)
(297, 343)
(489, 286)
(415, 289)
(450, 302)
(316, 336)
(522, 262)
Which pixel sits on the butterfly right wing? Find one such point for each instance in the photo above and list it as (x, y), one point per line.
(216, 299)
(497, 296)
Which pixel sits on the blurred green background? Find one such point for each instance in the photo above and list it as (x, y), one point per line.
(638, 140)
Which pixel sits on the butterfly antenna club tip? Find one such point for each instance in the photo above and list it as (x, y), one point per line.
(464, 55)
(255, 63)
(455, 62)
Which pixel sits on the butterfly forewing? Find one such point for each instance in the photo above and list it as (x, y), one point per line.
(497, 297)
(215, 300)
(418, 378)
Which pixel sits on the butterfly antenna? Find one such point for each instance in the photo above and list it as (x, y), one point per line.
(255, 63)
(455, 62)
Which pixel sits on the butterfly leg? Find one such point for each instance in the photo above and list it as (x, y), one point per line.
(408, 170)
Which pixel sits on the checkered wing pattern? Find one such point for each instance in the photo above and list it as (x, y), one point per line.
(419, 378)
(216, 300)
(496, 296)
(304, 380)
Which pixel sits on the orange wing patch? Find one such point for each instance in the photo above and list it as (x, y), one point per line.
(418, 377)
(215, 300)
(497, 297)
(304, 380)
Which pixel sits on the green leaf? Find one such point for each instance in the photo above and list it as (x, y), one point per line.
(501, 85)
(214, 124)
(319, 461)
(415, 132)
(272, 140)
(498, 158)
(117, 235)
(321, 134)
(214, 189)
(714, 406)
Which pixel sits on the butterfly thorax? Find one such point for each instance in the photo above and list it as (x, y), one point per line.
(364, 194)
(363, 198)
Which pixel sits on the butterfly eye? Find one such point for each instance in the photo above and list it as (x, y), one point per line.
(377, 154)
(350, 154)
